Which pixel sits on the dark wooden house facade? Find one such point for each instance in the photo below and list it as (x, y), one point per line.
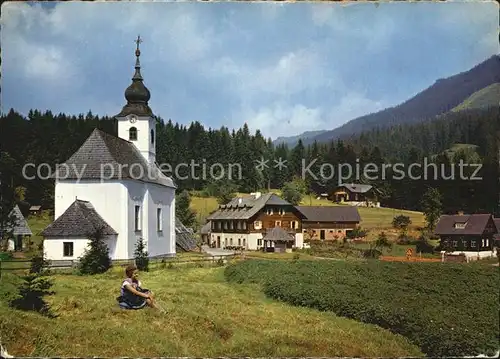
(362, 194)
(470, 234)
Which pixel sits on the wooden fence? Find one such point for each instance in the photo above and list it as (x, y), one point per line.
(23, 265)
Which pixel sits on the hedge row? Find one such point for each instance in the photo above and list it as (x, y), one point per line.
(445, 309)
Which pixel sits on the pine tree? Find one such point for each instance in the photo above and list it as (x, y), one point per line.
(33, 288)
(141, 256)
(432, 207)
(96, 258)
(183, 209)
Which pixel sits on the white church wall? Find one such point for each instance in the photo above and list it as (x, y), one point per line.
(143, 126)
(136, 196)
(53, 247)
(160, 242)
(109, 200)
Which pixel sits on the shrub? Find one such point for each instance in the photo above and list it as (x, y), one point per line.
(454, 302)
(96, 258)
(423, 244)
(141, 256)
(407, 240)
(30, 293)
(357, 232)
(401, 222)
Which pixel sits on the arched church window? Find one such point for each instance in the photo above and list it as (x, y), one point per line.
(132, 134)
(152, 136)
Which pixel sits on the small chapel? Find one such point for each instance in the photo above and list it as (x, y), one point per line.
(115, 184)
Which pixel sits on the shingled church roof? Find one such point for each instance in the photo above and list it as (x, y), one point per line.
(103, 156)
(80, 219)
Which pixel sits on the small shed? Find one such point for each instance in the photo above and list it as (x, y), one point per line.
(35, 210)
(20, 231)
(278, 240)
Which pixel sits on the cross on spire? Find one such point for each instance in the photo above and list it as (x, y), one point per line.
(138, 41)
(137, 75)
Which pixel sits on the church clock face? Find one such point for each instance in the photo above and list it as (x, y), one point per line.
(133, 119)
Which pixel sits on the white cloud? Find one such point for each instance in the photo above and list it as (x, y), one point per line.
(282, 120)
(292, 73)
(286, 119)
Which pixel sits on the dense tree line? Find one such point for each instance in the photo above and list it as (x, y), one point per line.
(49, 138)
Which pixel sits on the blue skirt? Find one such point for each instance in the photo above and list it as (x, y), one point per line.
(131, 301)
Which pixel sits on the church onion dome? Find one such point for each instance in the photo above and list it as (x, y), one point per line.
(137, 94)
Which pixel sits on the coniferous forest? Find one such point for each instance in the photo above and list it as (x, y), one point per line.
(49, 138)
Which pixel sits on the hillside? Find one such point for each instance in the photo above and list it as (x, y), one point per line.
(489, 96)
(292, 140)
(443, 96)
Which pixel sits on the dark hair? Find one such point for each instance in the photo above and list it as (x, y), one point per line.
(130, 270)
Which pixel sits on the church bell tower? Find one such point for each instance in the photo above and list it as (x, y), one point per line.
(135, 121)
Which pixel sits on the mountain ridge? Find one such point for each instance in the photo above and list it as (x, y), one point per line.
(444, 95)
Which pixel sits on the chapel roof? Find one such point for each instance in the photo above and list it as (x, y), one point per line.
(21, 226)
(104, 157)
(79, 219)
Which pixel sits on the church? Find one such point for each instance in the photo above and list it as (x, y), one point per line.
(115, 184)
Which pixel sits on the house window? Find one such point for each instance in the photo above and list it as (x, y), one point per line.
(68, 249)
(473, 244)
(269, 211)
(244, 242)
(455, 244)
(225, 225)
(244, 225)
(293, 224)
(460, 225)
(277, 223)
(257, 224)
(137, 224)
(159, 223)
(487, 243)
(132, 134)
(281, 211)
(239, 241)
(230, 241)
(152, 136)
(219, 225)
(259, 242)
(231, 225)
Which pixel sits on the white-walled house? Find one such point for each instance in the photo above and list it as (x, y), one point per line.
(117, 183)
(246, 222)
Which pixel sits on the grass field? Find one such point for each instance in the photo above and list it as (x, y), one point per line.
(435, 305)
(206, 317)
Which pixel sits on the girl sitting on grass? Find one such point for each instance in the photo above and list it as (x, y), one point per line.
(132, 295)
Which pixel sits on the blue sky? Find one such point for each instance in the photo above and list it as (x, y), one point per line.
(283, 68)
